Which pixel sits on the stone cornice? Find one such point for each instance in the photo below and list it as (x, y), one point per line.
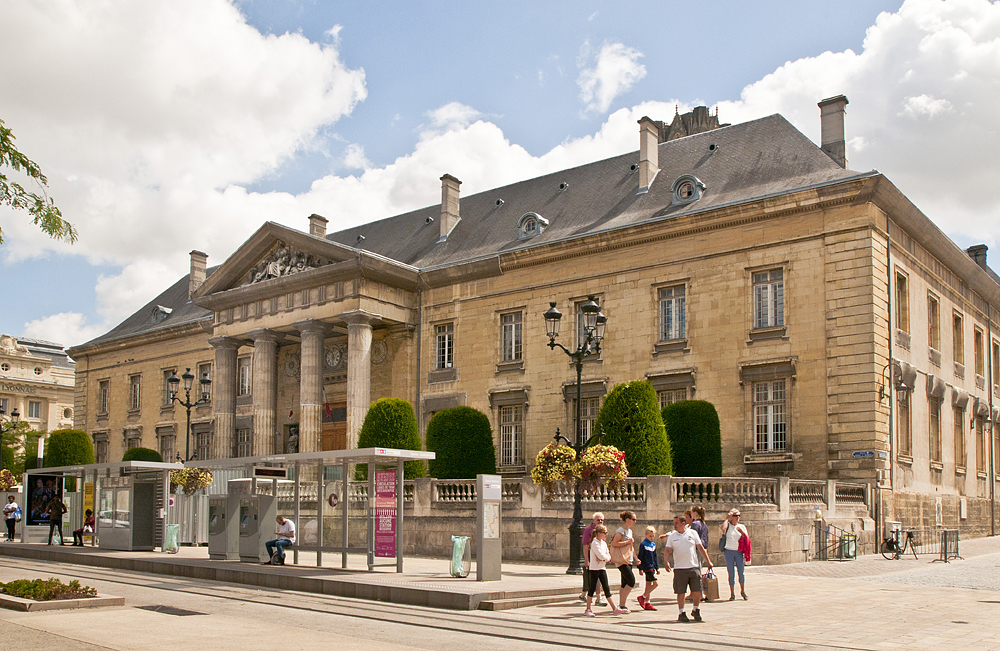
(127, 341)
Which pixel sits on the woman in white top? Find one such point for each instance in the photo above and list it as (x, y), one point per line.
(598, 556)
(733, 531)
(623, 555)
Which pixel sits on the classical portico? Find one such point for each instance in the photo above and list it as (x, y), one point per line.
(284, 303)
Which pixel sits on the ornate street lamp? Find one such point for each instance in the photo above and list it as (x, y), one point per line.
(589, 343)
(14, 417)
(173, 385)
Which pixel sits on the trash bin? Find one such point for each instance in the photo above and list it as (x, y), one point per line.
(461, 556)
(849, 546)
(170, 538)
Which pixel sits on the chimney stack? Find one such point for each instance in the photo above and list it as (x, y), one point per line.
(449, 205)
(978, 254)
(831, 116)
(199, 263)
(317, 225)
(649, 140)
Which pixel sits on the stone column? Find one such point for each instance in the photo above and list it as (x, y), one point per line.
(311, 385)
(359, 370)
(265, 390)
(224, 396)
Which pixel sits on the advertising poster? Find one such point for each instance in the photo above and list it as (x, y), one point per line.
(43, 488)
(385, 513)
(88, 500)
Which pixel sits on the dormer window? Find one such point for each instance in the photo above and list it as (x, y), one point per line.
(531, 224)
(159, 313)
(687, 189)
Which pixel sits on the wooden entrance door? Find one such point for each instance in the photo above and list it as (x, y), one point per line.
(335, 427)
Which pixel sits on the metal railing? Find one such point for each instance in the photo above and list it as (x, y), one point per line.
(942, 543)
(834, 544)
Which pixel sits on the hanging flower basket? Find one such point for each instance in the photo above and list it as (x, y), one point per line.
(190, 479)
(601, 465)
(554, 463)
(7, 480)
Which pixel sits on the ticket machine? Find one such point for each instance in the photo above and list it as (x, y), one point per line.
(223, 527)
(257, 526)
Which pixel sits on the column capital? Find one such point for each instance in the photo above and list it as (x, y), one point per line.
(225, 343)
(312, 326)
(359, 317)
(263, 335)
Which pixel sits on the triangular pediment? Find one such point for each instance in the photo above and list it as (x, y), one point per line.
(273, 252)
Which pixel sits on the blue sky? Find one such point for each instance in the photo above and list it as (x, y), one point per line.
(185, 124)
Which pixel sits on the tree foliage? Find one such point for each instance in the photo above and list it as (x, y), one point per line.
(695, 438)
(462, 442)
(390, 423)
(44, 212)
(68, 447)
(631, 421)
(142, 454)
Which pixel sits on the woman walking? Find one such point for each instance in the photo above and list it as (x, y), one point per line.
(734, 532)
(623, 555)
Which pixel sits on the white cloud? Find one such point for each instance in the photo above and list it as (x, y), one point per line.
(66, 328)
(453, 115)
(614, 72)
(925, 105)
(354, 157)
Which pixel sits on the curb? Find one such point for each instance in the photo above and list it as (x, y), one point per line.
(31, 606)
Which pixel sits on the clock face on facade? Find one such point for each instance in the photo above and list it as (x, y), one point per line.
(333, 356)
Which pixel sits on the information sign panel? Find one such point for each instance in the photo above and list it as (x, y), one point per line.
(385, 513)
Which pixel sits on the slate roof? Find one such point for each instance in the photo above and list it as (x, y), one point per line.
(752, 160)
(49, 349)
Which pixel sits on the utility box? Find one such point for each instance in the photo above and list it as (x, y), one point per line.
(489, 544)
(223, 527)
(257, 525)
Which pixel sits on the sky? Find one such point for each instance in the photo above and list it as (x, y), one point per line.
(175, 125)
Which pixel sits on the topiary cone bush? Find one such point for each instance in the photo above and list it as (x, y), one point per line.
(142, 454)
(462, 442)
(631, 421)
(68, 447)
(695, 438)
(390, 423)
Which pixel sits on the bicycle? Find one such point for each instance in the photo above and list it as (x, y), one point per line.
(893, 549)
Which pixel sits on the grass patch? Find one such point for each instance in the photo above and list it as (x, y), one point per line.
(46, 589)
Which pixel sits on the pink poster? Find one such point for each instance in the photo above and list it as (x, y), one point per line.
(385, 513)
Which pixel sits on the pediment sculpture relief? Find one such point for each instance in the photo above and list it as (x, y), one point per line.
(9, 346)
(283, 261)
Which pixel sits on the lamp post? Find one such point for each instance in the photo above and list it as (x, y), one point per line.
(173, 385)
(589, 343)
(14, 417)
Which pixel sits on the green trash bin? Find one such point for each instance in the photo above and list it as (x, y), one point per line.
(170, 538)
(461, 557)
(849, 546)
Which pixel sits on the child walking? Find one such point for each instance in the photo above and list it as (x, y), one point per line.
(648, 567)
(599, 555)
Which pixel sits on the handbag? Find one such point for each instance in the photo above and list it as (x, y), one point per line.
(618, 557)
(722, 543)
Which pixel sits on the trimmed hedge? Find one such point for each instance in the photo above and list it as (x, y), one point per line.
(695, 438)
(631, 420)
(142, 454)
(8, 458)
(390, 423)
(462, 442)
(68, 447)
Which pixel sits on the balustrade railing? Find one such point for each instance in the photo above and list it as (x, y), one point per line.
(806, 491)
(739, 490)
(633, 492)
(851, 493)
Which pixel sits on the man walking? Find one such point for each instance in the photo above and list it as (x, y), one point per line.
(683, 546)
(588, 537)
(55, 509)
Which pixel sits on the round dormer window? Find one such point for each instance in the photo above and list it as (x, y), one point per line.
(687, 189)
(4, 367)
(530, 225)
(38, 370)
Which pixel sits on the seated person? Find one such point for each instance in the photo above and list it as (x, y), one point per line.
(88, 528)
(286, 537)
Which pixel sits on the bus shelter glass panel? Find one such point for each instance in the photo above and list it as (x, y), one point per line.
(106, 508)
(123, 514)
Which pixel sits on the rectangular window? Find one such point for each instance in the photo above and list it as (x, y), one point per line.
(133, 439)
(204, 370)
(590, 408)
(245, 377)
(904, 436)
(770, 424)
(980, 445)
(444, 345)
(670, 396)
(4, 404)
(511, 325)
(101, 451)
(959, 416)
(34, 409)
(167, 399)
(167, 447)
(995, 370)
(933, 323)
(934, 428)
(134, 392)
(980, 353)
(769, 299)
(902, 304)
(672, 313)
(958, 338)
(511, 435)
(244, 442)
(103, 394)
(202, 441)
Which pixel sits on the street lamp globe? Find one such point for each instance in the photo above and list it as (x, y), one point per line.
(205, 382)
(602, 323)
(552, 318)
(188, 378)
(173, 384)
(590, 311)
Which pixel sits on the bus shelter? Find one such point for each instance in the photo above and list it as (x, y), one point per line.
(316, 489)
(128, 499)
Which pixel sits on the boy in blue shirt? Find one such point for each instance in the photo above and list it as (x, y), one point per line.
(648, 567)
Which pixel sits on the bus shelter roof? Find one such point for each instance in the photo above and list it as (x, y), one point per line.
(133, 466)
(329, 457)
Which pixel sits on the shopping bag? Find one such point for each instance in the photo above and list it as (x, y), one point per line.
(710, 586)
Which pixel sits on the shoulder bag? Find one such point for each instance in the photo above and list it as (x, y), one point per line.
(722, 542)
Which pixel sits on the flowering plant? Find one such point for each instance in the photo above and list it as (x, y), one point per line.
(554, 463)
(7, 479)
(190, 479)
(601, 464)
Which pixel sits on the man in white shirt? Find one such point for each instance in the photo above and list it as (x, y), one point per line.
(286, 537)
(683, 546)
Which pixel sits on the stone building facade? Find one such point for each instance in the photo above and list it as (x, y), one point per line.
(742, 265)
(37, 381)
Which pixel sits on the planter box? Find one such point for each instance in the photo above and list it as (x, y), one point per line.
(30, 605)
